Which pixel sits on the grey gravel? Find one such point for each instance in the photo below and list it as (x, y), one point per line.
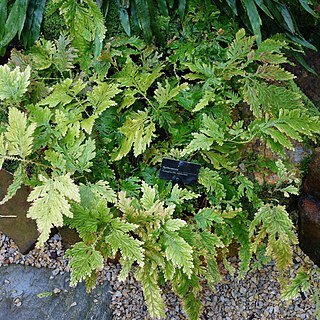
(256, 296)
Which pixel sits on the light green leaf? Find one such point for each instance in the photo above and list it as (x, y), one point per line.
(179, 195)
(301, 283)
(179, 252)
(151, 292)
(199, 142)
(164, 94)
(129, 247)
(3, 149)
(174, 224)
(19, 135)
(290, 190)
(206, 216)
(211, 180)
(274, 224)
(138, 131)
(148, 198)
(18, 177)
(13, 84)
(273, 73)
(50, 203)
(85, 259)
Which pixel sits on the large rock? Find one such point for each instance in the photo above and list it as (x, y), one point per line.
(309, 227)
(309, 210)
(20, 288)
(16, 225)
(311, 184)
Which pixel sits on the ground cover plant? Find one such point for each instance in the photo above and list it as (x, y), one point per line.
(86, 122)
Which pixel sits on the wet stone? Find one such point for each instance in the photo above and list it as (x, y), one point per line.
(22, 297)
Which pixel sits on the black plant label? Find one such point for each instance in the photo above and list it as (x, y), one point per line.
(178, 171)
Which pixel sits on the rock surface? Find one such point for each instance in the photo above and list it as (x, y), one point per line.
(13, 220)
(309, 227)
(311, 184)
(31, 293)
(309, 210)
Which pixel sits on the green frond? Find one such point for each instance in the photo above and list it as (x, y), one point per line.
(84, 260)
(272, 223)
(18, 179)
(19, 135)
(119, 239)
(50, 201)
(178, 251)
(211, 180)
(151, 291)
(301, 282)
(179, 195)
(192, 306)
(138, 131)
(13, 84)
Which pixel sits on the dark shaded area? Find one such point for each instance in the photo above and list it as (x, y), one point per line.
(309, 211)
(19, 287)
(308, 82)
(309, 227)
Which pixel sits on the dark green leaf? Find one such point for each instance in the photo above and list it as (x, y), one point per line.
(253, 16)
(287, 18)
(233, 6)
(125, 22)
(303, 62)
(305, 5)
(22, 13)
(143, 17)
(170, 3)
(182, 9)
(301, 40)
(162, 4)
(263, 7)
(3, 16)
(15, 22)
(32, 25)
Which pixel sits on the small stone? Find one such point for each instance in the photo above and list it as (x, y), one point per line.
(56, 290)
(117, 294)
(55, 272)
(243, 290)
(17, 302)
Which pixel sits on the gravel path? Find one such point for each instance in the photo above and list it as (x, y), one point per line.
(256, 297)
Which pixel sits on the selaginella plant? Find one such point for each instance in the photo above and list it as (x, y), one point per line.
(90, 143)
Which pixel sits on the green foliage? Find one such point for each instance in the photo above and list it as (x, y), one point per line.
(274, 223)
(89, 138)
(85, 260)
(52, 23)
(86, 27)
(150, 18)
(20, 18)
(268, 13)
(13, 84)
(50, 201)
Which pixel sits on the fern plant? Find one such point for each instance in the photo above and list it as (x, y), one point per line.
(90, 143)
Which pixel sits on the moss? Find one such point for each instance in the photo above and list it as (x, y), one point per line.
(112, 21)
(52, 23)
